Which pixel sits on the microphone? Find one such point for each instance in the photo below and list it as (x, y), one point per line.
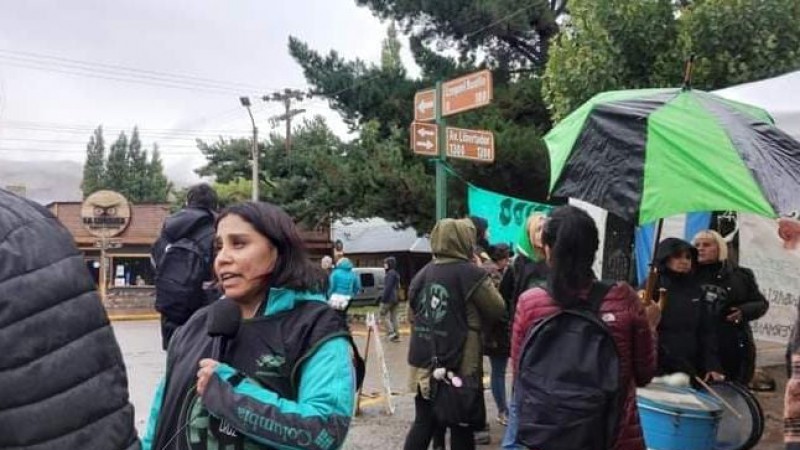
(222, 323)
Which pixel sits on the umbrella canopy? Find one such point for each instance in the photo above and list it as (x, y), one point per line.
(648, 154)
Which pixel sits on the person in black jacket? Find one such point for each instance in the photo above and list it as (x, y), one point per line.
(389, 301)
(735, 302)
(62, 378)
(687, 339)
(183, 287)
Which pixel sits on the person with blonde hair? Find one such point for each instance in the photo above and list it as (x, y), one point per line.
(528, 270)
(734, 301)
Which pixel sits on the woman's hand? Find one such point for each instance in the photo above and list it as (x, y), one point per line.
(714, 376)
(653, 314)
(206, 371)
(735, 315)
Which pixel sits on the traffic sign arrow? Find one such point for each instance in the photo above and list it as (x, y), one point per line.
(425, 132)
(426, 144)
(424, 105)
(423, 138)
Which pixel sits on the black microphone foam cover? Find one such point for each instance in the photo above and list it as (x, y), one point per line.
(224, 317)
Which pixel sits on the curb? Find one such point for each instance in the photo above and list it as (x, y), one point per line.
(133, 317)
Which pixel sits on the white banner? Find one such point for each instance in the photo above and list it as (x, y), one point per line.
(777, 272)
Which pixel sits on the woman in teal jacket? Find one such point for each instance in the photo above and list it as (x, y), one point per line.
(343, 286)
(288, 379)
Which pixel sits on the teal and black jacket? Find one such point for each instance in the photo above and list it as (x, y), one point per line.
(289, 382)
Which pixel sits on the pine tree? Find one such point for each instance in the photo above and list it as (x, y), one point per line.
(138, 176)
(158, 186)
(390, 52)
(94, 168)
(117, 167)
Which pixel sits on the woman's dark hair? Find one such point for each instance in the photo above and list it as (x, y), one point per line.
(293, 269)
(571, 235)
(390, 262)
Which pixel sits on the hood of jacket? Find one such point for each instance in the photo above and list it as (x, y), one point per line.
(669, 247)
(344, 264)
(185, 221)
(453, 238)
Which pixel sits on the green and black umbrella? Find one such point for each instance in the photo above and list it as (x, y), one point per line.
(649, 154)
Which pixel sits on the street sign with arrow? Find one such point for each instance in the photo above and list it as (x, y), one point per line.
(424, 105)
(423, 139)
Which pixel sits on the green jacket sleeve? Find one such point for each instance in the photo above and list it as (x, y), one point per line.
(318, 420)
(489, 302)
(152, 421)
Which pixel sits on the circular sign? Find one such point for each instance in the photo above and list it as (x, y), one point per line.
(106, 213)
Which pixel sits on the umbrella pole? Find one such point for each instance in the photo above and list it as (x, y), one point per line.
(652, 278)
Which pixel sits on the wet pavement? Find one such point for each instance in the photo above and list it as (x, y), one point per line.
(374, 428)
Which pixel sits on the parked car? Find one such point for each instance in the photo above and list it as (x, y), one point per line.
(372, 279)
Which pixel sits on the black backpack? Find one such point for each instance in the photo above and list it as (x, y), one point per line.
(567, 390)
(182, 267)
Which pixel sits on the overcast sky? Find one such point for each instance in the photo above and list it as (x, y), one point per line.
(218, 49)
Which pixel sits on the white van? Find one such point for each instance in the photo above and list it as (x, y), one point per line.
(372, 280)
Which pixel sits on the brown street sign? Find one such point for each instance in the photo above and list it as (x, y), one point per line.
(476, 145)
(425, 105)
(423, 139)
(467, 92)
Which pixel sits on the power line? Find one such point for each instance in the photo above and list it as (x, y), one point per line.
(117, 67)
(70, 151)
(87, 72)
(63, 141)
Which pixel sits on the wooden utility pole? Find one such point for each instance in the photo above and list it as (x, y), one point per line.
(286, 97)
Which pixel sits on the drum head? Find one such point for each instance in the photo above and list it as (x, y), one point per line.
(738, 433)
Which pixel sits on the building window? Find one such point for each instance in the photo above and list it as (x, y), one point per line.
(131, 271)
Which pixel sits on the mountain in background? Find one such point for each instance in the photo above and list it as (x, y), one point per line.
(44, 181)
(60, 181)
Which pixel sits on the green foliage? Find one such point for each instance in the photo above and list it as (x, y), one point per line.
(627, 44)
(507, 33)
(235, 191)
(608, 45)
(737, 41)
(384, 177)
(94, 169)
(127, 169)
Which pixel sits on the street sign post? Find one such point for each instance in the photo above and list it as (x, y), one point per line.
(467, 92)
(425, 105)
(475, 145)
(424, 139)
(448, 98)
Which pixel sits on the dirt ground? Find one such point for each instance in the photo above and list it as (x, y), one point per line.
(772, 404)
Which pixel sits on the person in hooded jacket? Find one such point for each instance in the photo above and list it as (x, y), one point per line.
(62, 377)
(343, 285)
(286, 378)
(196, 223)
(453, 271)
(735, 301)
(389, 301)
(687, 339)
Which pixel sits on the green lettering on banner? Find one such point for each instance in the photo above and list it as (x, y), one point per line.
(506, 215)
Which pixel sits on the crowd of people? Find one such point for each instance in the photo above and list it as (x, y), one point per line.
(260, 355)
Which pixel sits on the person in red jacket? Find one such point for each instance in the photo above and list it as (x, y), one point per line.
(570, 243)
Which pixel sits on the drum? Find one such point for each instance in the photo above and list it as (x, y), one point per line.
(738, 433)
(678, 418)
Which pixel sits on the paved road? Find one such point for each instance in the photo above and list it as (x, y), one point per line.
(141, 347)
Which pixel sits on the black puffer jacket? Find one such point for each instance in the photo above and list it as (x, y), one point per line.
(686, 334)
(62, 379)
(728, 287)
